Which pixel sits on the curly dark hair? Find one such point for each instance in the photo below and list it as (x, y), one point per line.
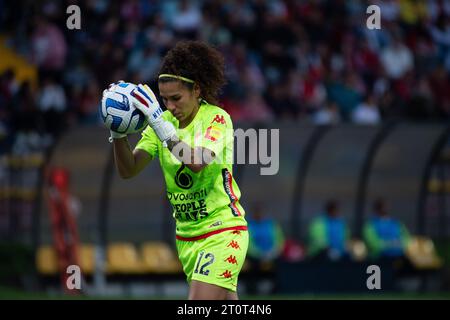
(199, 62)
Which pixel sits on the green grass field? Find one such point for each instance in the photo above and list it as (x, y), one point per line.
(14, 294)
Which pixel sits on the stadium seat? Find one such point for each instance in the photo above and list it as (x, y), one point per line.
(422, 254)
(357, 249)
(158, 257)
(436, 186)
(87, 258)
(46, 260)
(123, 258)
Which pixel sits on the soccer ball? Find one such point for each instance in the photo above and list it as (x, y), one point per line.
(117, 111)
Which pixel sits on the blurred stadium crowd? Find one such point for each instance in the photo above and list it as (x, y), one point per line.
(307, 60)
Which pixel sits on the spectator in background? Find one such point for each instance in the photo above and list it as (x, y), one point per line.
(145, 62)
(283, 105)
(421, 104)
(366, 112)
(412, 12)
(266, 238)
(329, 114)
(385, 236)
(8, 86)
(396, 58)
(7, 112)
(255, 108)
(440, 87)
(25, 113)
(266, 244)
(159, 35)
(328, 235)
(390, 9)
(187, 19)
(89, 103)
(131, 10)
(52, 105)
(311, 90)
(440, 33)
(49, 47)
(346, 93)
(282, 49)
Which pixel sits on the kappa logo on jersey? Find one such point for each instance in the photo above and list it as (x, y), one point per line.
(219, 119)
(213, 133)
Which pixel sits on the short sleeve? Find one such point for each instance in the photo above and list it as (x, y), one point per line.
(148, 142)
(218, 134)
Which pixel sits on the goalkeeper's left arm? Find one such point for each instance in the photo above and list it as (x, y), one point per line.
(194, 158)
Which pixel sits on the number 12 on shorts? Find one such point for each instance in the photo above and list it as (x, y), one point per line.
(208, 259)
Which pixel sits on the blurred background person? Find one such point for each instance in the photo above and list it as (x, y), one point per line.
(327, 115)
(266, 244)
(328, 234)
(366, 112)
(386, 237)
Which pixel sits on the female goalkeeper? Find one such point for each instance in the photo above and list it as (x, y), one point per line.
(193, 140)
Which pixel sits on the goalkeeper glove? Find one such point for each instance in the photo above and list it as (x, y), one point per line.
(115, 135)
(145, 100)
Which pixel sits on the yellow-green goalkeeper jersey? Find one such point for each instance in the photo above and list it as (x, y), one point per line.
(206, 202)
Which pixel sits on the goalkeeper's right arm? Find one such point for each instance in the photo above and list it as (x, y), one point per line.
(129, 163)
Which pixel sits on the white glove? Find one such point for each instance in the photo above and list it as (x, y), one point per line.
(116, 135)
(145, 100)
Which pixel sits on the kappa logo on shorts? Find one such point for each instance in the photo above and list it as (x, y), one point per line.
(226, 274)
(234, 245)
(231, 259)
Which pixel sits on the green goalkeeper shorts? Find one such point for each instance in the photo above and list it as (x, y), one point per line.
(217, 259)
